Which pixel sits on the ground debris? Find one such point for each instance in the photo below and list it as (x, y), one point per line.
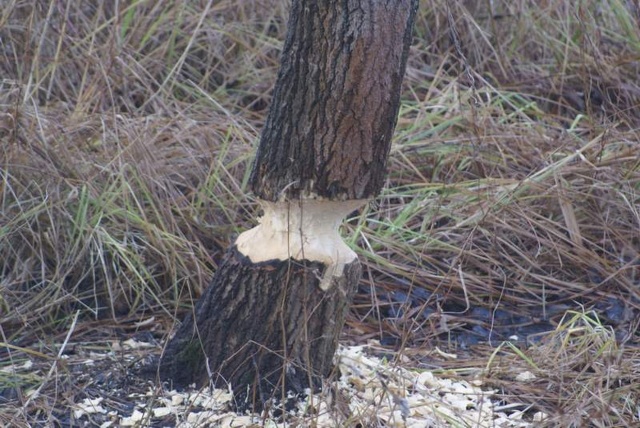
(368, 391)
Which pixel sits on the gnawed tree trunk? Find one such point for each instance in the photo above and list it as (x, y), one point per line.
(272, 317)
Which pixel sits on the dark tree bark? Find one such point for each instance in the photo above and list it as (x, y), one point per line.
(336, 100)
(257, 319)
(272, 317)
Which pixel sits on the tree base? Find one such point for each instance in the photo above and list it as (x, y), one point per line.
(261, 328)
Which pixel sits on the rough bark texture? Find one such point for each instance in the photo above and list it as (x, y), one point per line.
(336, 100)
(258, 321)
(262, 326)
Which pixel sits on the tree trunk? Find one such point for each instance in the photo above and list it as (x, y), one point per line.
(272, 317)
(336, 100)
(260, 324)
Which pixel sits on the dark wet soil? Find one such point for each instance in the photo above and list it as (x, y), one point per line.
(420, 316)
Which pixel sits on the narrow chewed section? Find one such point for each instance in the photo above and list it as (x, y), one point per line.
(301, 230)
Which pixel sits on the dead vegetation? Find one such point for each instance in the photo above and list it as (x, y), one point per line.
(512, 207)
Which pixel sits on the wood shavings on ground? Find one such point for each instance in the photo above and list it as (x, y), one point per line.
(380, 394)
(370, 392)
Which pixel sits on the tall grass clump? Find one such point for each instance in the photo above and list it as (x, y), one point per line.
(126, 133)
(513, 195)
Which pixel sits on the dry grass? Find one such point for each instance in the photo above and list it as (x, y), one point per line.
(579, 375)
(127, 131)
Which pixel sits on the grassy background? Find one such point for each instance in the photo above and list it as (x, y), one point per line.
(127, 131)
